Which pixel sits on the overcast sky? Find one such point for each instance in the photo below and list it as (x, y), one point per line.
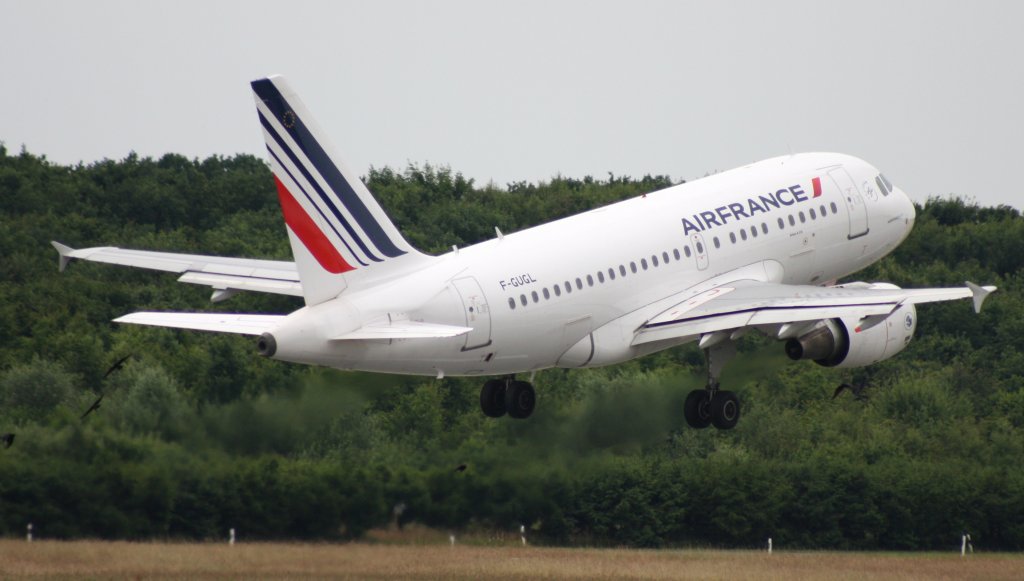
(930, 92)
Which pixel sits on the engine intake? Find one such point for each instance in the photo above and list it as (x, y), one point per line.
(852, 342)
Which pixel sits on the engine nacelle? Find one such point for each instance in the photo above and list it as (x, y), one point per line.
(852, 342)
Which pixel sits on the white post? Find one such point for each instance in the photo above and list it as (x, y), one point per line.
(451, 539)
(769, 545)
(231, 536)
(963, 545)
(28, 537)
(522, 533)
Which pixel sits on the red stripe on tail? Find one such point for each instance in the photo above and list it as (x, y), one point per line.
(309, 233)
(816, 182)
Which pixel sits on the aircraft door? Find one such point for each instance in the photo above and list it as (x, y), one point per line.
(855, 206)
(700, 250)
(478, 313)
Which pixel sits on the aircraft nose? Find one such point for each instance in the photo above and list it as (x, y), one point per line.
(908, 210)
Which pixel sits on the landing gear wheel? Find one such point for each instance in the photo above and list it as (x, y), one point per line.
(492, 398)
(725, 410)
(520, 399)
(697, 409)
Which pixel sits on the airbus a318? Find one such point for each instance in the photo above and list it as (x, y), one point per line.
(755, 249)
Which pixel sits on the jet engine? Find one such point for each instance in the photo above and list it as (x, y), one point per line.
(855, 342)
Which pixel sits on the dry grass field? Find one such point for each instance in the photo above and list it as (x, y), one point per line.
(103, 560)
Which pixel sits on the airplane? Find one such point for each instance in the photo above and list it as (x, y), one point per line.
(754, 249)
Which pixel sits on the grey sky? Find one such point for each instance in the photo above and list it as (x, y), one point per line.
(930, 92)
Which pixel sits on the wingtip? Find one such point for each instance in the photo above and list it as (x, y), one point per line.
(65, 254)
(979, 294)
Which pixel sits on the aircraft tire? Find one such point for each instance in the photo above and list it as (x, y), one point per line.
(725, 410)
(696, 409)
(520, 399)
(492, 398)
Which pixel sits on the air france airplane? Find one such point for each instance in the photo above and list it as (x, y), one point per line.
(758, 248)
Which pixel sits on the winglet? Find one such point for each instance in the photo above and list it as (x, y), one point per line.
(980, 294)
(65, 254)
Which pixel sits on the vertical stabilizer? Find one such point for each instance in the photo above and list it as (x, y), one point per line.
(340, 236)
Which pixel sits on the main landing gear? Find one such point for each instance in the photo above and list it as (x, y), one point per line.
(507, 395)
(711, 405)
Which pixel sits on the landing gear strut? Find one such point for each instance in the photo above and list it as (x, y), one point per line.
(711, 405)
(507, 395)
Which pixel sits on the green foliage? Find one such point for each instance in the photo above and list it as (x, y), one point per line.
(198, 435)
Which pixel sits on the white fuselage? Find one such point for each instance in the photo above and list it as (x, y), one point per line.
(556, 295)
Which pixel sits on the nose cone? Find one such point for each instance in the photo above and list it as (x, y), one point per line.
(906, 209)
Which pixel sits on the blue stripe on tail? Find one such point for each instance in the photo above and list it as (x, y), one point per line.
(318, 210)
(323, 195)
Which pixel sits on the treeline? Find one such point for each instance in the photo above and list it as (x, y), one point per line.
(197, 434)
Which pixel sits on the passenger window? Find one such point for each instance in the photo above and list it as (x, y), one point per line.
(764, 228)
(654, 260)
(643, 263)
(700, 248)
(590, 280)
(717, 243)
(835, 210)
(568, 287)
(743, 234)
(547, 295)
(792, 221)
(511, 303)
(802, 218)
(686, 250)
(579, 283)
(600, 276)
(632, 266)
(558, 290)
(522, 299)
(675, 252)
(622, 270)
(536, 298)
(664, 257)
(813, 215)
(611, 273)
(732, 237)
(782, 225)
(823, 212)
(753, 231)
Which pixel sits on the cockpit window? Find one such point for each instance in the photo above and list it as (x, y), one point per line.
(881, 186)
(888, 184)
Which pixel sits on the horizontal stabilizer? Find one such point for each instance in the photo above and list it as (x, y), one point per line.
(403, 330)
(216, 322)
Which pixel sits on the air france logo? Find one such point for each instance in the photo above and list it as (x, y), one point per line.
(750, 207)
(909, 321)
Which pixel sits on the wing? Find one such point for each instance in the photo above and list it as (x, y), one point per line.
(783, 309)
(225, 275)
(217, 322)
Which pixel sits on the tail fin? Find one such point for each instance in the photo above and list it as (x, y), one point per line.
(340, 236)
